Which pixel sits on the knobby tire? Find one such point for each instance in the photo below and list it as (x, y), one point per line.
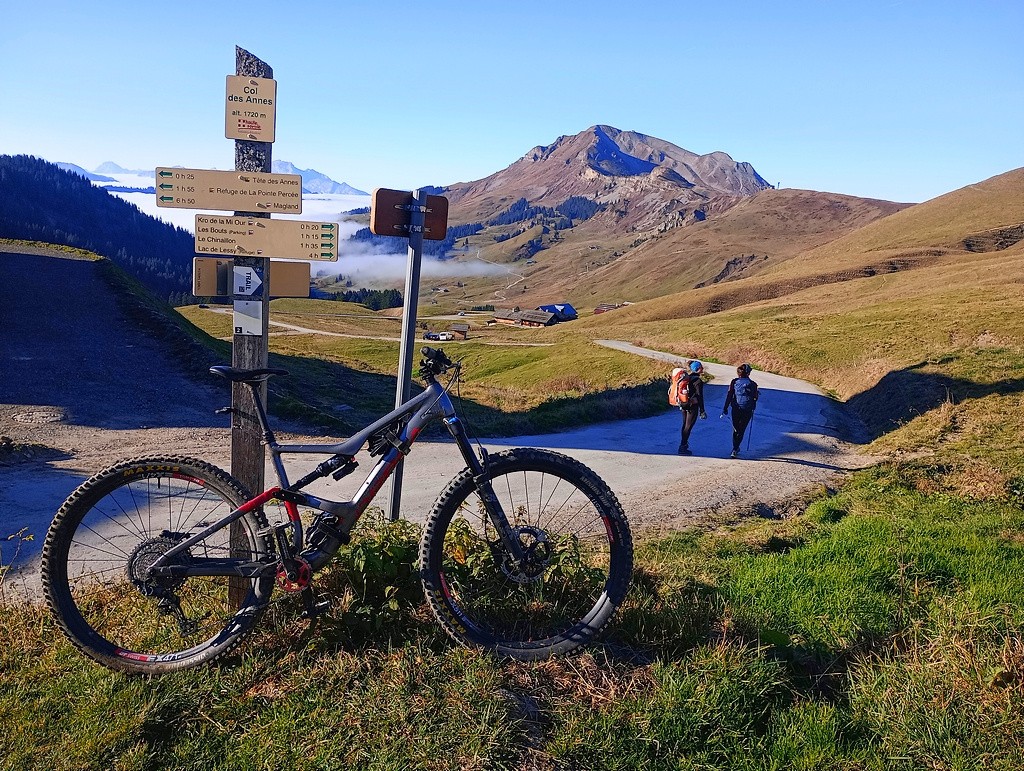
(567, 517)
(112, 527)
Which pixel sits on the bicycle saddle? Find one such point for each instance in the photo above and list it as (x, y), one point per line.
(246, 375)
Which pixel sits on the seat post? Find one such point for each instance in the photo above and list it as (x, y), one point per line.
(261, 414)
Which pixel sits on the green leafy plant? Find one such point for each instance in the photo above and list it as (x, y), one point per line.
(376, 575)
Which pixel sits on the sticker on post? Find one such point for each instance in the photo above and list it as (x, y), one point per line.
(248, 317)
(247, 280)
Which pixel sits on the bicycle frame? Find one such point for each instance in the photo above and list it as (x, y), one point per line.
(396, 431)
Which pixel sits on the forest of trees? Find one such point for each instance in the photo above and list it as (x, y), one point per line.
(575, 208)
(39, 201)
(438, 249)
(374, 299)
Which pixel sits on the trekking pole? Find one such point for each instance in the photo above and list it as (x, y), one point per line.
(750, 430)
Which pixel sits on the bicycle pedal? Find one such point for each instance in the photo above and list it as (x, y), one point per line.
(312, 607)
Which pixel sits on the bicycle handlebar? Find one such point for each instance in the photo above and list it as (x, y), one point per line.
(435, 361)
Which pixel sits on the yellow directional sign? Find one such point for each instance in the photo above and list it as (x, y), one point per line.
(229, 190)
(250, 109)
(257, 237)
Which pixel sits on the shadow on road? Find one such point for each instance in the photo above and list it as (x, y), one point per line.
(26, 490)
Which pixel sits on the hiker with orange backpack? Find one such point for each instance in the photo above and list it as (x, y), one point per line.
(687, 393)
(742, 397)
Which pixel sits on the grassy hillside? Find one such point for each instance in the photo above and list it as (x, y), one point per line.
(879, 629)
(759, 232)
(936, 235)
(945, 221)
(916, 257)
(594, 263)
(512, 383)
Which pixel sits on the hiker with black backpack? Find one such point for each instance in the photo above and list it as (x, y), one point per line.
(687, 393)
(742, 397)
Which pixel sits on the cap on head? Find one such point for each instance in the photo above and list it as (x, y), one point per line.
(743, 370)
(696, 366)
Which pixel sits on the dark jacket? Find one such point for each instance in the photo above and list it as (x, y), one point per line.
(742, 395)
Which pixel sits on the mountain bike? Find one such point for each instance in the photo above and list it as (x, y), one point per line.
(162, 563)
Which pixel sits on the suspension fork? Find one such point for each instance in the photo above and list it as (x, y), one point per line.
(509, 538)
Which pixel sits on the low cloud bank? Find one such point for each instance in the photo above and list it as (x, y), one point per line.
(363, 264)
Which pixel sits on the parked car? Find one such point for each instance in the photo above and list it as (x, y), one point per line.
(462, 313)
(431, 336)
(445, 336)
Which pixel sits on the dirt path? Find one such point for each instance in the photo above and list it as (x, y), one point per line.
(86, 389)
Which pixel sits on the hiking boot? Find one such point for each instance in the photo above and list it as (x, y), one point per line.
(684, 450)
(735, 454)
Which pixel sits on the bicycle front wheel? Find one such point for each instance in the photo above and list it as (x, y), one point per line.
(99, 553)
(579, 557)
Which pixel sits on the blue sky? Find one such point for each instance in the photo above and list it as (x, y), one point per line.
(896, 100)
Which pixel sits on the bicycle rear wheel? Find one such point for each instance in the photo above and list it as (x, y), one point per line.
(103, 541)
(579, 565)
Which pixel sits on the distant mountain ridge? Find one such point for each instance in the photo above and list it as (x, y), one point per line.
(315, 182)
(643, 180)
(89, 175)
(621, 215)
(109, 167)
(312, 180)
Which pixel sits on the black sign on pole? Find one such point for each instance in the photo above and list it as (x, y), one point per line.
(417, 216)
(249, 350)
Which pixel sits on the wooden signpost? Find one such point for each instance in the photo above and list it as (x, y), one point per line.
(249, 343)
(243, 243)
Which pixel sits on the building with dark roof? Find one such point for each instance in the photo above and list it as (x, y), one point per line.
(520, 318)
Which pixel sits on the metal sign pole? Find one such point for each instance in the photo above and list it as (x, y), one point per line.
(249, 350)
(412, 290)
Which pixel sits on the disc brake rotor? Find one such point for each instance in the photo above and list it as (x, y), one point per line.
(537, 555)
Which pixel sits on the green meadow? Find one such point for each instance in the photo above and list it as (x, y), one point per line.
(882, 627)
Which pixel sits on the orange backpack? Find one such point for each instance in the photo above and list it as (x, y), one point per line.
(679, 390)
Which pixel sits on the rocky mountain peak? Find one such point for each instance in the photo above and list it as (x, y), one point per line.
(648, 176)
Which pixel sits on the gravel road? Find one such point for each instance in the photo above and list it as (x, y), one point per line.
(85, 388)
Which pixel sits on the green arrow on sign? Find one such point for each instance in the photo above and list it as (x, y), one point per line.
(329, 255)
(166, 173)
(327, 226)
(327, 235)
(167, 198)
(166, 186)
